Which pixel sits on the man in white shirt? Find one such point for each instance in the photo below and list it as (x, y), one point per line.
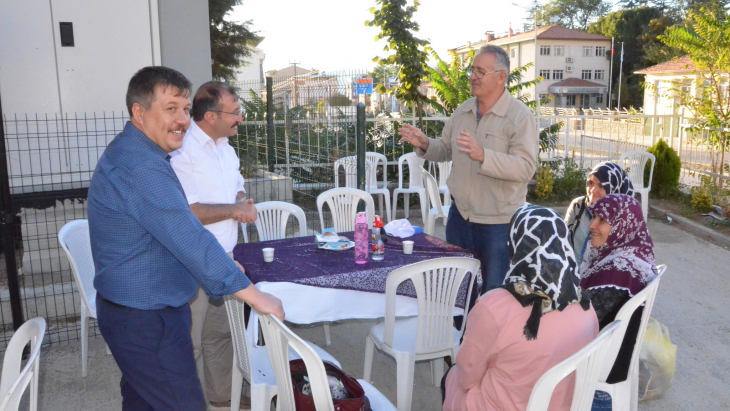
(209, 171)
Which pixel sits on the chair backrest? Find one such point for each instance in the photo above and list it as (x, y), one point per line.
(444, 169)
(342, 203)
(15, 381)
(432, 190)
(74, 239)
(278, 340)
(645, 297)
(237, 323)
(272, 217)
(414, 162)
(635, 163)
(437, 283)
(376, 159)
(586, 364)
(349, 164)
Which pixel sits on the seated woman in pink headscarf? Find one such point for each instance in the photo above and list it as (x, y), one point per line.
(617, 264)
(538, 318)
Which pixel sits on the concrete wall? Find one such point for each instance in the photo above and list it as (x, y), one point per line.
(185, 38)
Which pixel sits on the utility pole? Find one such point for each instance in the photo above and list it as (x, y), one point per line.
(620, 72)
(610, 77)
(296, 96)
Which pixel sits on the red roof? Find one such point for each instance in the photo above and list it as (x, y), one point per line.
(576, 82)
(680, 65)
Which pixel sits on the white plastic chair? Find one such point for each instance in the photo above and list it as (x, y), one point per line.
(586, 364)
(280, 340)
(349, 164)
(415, 184)
(272, 218)
(430, 335)
(437, 210)
(14, 380)
(342, 203)
(444, 170)
(625, 394)
(74, 239)
(635, 163)
(251, 362)
(373, 187)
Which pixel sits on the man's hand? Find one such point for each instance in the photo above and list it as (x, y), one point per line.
(470, 147)
(262, 302)
(244, 211)
(413, 135)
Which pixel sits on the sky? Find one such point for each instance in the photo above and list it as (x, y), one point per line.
(331, 35)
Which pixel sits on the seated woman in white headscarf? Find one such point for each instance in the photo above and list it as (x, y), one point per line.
(617, 264)
(605, 178)
(538, 318)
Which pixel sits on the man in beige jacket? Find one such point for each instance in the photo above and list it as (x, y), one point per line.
(493, 144)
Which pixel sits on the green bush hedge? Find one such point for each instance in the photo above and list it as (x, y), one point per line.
(666, 170)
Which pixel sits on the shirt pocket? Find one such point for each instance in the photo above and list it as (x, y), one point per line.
(497, 142)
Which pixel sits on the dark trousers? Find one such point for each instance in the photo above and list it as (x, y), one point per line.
(154, 351)
(487, 241)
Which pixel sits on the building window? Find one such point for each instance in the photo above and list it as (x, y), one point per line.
(513, 53)
(587, 51)
(599, 74)
(544, 50)
(600, 51)
(545, 74)
(559, 50)
(557, 74)
(599, 99)
(570, 100)
(585, 74)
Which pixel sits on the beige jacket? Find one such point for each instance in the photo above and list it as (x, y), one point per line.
(490, 192)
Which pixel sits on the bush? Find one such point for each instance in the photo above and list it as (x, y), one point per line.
(570, 181)
(666, 170)
(545, 182)
(701, 199)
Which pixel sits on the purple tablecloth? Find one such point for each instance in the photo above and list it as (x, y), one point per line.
(298, 260)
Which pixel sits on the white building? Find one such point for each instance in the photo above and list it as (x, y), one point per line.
(251, 73)
(76, 56)
(575, 64)
(663, 78)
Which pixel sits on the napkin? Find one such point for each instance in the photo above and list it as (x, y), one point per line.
(401, 228)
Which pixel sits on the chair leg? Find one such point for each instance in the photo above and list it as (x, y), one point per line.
(437, 371)
(405, 368)
(406, 203)
(237, 386)
(380, 204)
(387, 206)
(108, 351)
(369, 352)
(430, 223)
(84, 340)
(645, 204)
(424, 204)
(327, 341)
(395, 204)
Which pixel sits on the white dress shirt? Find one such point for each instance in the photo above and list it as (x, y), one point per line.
(210, 173)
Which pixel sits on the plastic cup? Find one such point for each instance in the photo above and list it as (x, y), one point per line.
(268, 254)
(407, 247)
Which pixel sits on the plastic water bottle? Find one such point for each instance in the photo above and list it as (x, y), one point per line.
(361, 238)
(377, 241)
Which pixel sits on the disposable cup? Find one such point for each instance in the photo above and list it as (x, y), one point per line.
(407, 247)
(268, 254)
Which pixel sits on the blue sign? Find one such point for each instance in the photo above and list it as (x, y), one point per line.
(363, 86)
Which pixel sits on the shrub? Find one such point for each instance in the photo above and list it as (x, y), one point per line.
(570, 180)
(666, 170)
(545, 182)
(701, 199)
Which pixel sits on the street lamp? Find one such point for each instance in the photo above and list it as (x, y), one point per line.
(537, 96)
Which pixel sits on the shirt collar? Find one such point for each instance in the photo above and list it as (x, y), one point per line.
(136, 134)
(500, 106)
(202, 137)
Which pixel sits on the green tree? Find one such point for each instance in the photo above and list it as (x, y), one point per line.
(230, 42)
(395, 20)
(572, 14)
(339, 99)
(708, 44)
(654, 50)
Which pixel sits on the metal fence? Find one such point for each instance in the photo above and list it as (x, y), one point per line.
(288, 145)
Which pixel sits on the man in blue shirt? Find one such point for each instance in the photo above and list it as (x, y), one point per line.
(151, 252)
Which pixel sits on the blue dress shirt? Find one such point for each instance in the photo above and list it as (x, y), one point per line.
(150, 251)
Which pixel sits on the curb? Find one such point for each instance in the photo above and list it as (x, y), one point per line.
(694, 227)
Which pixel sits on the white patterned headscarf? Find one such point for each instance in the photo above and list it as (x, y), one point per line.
(542, 265)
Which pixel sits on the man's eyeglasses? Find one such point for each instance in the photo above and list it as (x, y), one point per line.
(235, 113)
(479, 74)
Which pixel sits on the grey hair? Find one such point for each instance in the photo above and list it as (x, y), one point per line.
(502, 59)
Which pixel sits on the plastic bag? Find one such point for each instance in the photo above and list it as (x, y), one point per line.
(657, 361)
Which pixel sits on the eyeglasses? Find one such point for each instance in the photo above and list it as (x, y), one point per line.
(235, 113)
(479, 74)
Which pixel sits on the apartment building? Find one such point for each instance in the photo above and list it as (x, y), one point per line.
(574, 64)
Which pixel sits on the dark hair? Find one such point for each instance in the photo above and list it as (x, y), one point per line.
(142, 86)
(208, 97)
(502, 59)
